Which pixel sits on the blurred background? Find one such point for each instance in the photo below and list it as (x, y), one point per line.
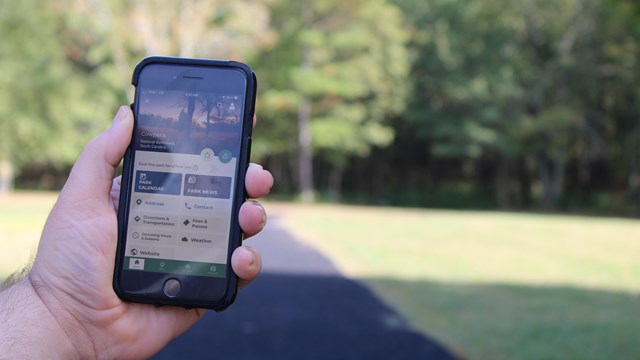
(475, 163)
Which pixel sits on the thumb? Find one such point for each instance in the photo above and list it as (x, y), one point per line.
(92, 175)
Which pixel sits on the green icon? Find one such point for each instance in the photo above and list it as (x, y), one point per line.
(224, 156)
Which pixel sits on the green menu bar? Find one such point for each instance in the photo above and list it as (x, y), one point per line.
(176, 266)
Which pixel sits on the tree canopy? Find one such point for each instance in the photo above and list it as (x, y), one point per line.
(466, 103)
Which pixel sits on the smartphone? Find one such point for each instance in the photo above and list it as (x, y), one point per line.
(183, 182)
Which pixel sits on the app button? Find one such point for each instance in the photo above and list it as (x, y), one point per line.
(208, 186)
(206, 154)
(136, 264)
(225, 156)
(202, 239)
(155, 182)
(153, 202)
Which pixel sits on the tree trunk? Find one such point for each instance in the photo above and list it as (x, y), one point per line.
(6, 176)
(545, 179)
(552, 178)
(524, 184)
(633, 180)
(305, 157)
(633, 186)
(186, 36)
(559, 164)
(335, 182)
(503, 183)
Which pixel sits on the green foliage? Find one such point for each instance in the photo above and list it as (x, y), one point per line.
(532, 102)
(67, 64)
(534, 81)
(355, 78)
(48, 104)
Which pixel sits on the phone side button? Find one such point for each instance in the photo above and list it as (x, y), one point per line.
(172, 288)
(248, 147)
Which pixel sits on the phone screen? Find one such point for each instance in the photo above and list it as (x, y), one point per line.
(185, 151)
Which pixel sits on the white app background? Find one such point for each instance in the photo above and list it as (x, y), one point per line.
(179, 227)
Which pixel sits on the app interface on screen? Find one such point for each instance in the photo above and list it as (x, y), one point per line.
(186, 153)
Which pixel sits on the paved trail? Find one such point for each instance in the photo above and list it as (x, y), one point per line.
(302, 307)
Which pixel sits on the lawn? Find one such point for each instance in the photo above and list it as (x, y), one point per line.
(492, 285)
(22, 216)
(488, 285)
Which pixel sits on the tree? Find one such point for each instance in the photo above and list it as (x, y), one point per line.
(208, 105)
(502, 85)
(67, 64)
(52, 94)
(341, 72)
(466, 101)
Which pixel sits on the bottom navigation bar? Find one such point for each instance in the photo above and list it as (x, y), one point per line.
(176, 266)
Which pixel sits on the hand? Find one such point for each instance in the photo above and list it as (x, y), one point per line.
(72, 273)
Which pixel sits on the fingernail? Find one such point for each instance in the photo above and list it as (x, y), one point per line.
(256, 166)
(252, 252)
(263, 223)
(120, 115)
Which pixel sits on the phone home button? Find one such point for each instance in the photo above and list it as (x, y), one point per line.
(172, 288)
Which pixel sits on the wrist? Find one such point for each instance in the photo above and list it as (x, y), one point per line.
(29, 329)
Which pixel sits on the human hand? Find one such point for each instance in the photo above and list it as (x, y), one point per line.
(73, 270)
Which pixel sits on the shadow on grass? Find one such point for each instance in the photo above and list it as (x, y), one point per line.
(486, 321)
(302, 307)
(284, 316)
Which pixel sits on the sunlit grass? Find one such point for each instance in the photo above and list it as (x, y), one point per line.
(492, 285)
(489, 285)
(22, 216)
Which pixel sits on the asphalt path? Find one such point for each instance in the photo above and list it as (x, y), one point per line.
(302, 307)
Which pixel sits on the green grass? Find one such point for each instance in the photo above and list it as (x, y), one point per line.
(492, 285)
(22, 216)
(488, 285)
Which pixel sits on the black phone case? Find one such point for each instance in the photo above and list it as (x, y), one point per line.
(240, 196)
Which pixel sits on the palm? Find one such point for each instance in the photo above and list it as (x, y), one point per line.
(80, 274)
(73, 270)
